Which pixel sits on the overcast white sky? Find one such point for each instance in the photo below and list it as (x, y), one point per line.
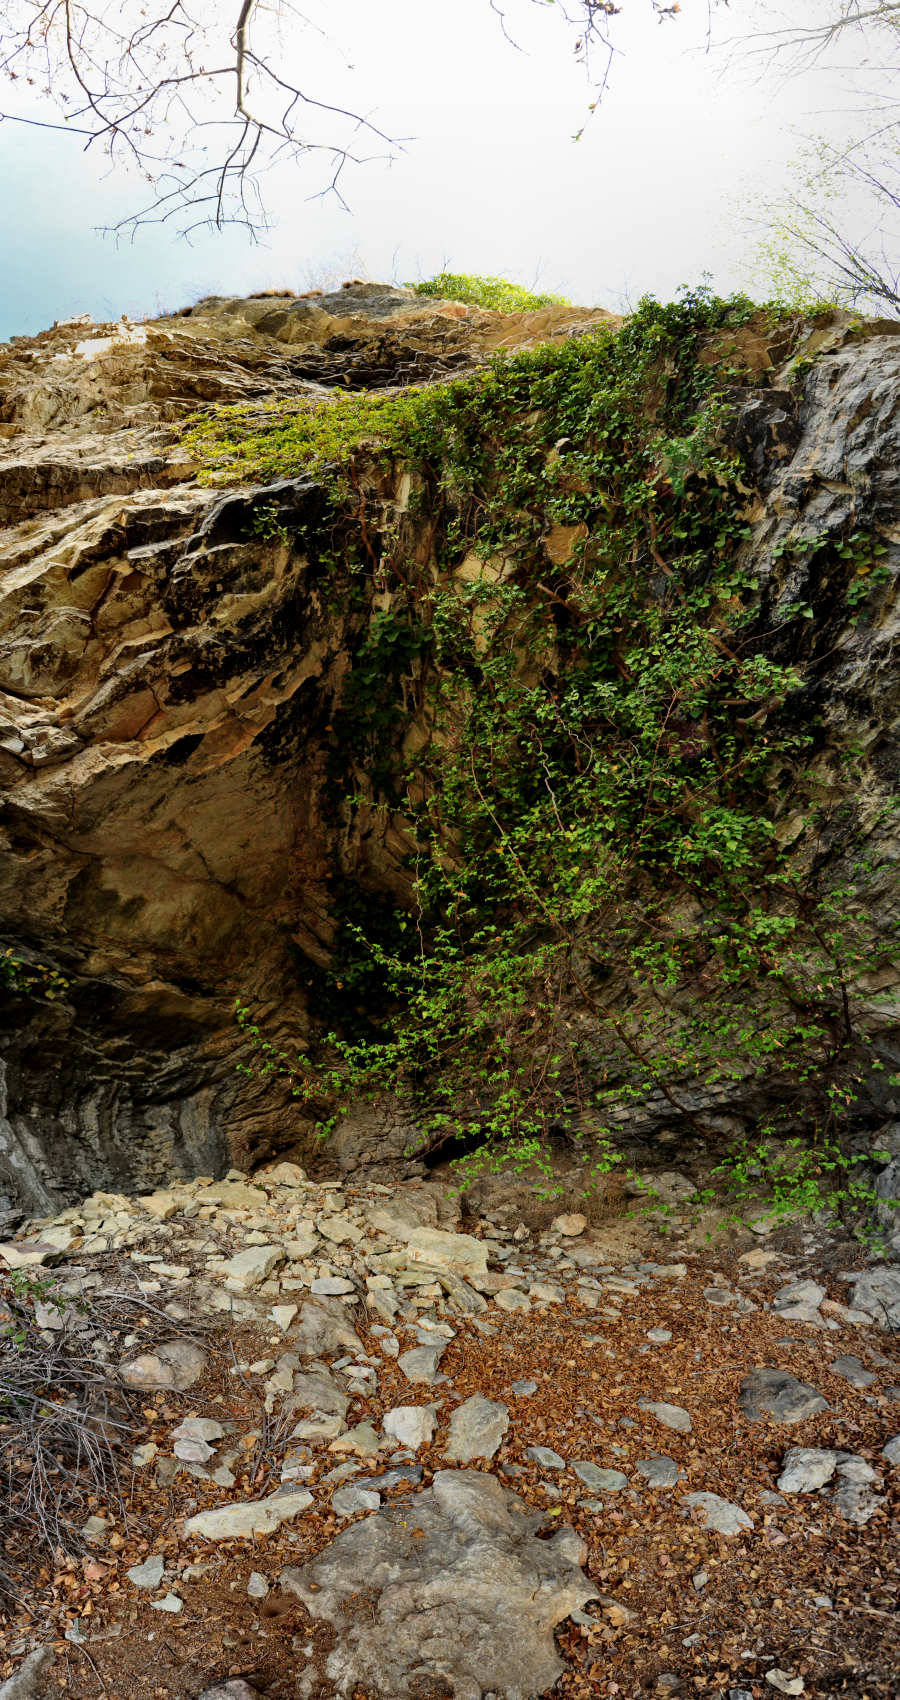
(491, 181)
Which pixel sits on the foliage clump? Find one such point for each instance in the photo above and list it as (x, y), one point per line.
(620, 891)
(495, 292)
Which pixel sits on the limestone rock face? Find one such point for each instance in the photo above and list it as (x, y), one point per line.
(170, 660)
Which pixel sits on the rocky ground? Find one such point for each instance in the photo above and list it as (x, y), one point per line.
(370, 1454)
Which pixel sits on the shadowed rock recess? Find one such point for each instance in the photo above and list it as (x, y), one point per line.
(171, 657)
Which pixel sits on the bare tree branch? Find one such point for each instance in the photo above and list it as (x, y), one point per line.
(202, 103)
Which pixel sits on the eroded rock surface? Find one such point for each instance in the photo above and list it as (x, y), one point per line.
(170, 667)
(463, 1592)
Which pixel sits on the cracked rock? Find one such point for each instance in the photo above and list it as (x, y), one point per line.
(469, 1603)
(476, 1429)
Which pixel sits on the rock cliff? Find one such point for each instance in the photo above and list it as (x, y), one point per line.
(171, 657)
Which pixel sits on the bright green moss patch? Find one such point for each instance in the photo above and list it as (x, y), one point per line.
(495, 292)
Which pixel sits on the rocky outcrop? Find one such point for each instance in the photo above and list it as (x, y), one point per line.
(171, 657)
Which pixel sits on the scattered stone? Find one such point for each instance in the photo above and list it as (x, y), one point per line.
(193, 1451)
(302, 1245)
(513, 1299)
(27, 1682)
(851, 1494)
(284, 1174)
(170, 1603)
(476, 1429)
(331, 1286)
(176, 1364)
(760, 1259)
(247, 1269)
(198, 1428)
(597, 1479)
(658, 1472)
(461, 1253)
(340, 1230)
(149, 1574)
(798, 1293)
(421, 1363)
(361, 1440)
(347, 1501)
(804, 1469)
(892, 1450)
(524, 1389)
(659, 1336)
(777, 1394)
(546, 1293)
(283, 1316)
(323, 1328)
(490, 1591)
(850, 1369)
(784, 1682)
(257, 1586)
(877, 1292)
(545, 1457)
(412, 1425)
(570, 1225)
(719, 1514)
(317, 1393)
(720, 1296)
(161, 1205)
(144, 1455)
(251, 1518)
(671, 1416)
(406, 1475)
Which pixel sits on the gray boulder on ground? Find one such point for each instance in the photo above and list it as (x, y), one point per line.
(775, 1393)
(476, 1429)
(463, 1594)
(28, 1682)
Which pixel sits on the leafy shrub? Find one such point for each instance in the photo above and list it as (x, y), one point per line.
(496, 292)
(603, 909)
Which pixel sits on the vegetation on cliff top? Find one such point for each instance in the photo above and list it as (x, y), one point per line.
(621, 886)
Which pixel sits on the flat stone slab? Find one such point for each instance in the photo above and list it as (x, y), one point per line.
(777, 1394)
(850, 1369)
(598, 1479)
(461, 1253)
(877, 1292)
(719, 1514)
(420, 1363)
(176, 1364)
(476, 1429)
(411, 1425)
(466, 1602)
(247, 1269)
(671, 1416)
(804, 1469)
(658, 1472)
(244, 1521)
(324, 1327)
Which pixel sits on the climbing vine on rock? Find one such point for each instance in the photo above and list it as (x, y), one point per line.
(592, 743)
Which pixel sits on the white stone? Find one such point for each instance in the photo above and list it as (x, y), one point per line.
(719, 1514)
(283, 1315)
(149, 1574)
(571, 1225)
(461, 1253)
(411, 1425)
(244, 1521)
(248, 1268)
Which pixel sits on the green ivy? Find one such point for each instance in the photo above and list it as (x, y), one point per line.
(601, 910)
